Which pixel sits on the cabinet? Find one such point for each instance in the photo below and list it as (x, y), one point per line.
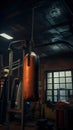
(64, 118)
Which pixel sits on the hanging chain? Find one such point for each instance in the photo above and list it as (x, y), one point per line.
(32, 30)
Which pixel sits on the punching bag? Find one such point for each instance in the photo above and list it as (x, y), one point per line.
(30, 77)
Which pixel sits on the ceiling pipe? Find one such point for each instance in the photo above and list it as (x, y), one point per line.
(21, 42)
(57, 42)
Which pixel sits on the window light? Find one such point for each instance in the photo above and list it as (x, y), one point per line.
(6, 36)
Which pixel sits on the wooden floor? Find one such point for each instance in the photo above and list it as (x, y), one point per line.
(30, 125)
(16, 126)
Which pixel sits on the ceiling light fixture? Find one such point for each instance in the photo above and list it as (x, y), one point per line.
(6, 36)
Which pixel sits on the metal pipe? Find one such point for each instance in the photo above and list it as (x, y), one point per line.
(56, 42)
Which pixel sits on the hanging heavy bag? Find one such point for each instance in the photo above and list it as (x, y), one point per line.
(30, 77)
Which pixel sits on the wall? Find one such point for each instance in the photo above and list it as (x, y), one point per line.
(49, 64)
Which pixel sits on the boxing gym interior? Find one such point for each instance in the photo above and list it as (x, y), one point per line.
(36, 65)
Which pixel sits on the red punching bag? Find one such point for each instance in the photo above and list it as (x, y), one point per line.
(30, 76)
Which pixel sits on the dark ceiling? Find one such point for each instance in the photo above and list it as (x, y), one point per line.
(52, 24)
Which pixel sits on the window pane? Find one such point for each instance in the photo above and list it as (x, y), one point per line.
(71, 92)
(62, 92)
(56, 86)
(62, 74)
(49, 75)
(63, 98)
(62, 80)
(56, 74)
(68, 73)
(56, 80)
(68, 79)
(69, 86)
(49, 92)
(49, 86)
(55, 92)
(62, 85)
(55, 98)
(49, 98)
(49, 80)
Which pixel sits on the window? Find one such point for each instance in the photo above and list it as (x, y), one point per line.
(59, 85)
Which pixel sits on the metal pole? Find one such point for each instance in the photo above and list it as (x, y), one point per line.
(22, 111)
(8, 95)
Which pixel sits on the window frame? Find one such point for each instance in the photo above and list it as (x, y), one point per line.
(52, 71)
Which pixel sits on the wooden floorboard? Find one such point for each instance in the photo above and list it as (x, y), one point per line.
(17, 126)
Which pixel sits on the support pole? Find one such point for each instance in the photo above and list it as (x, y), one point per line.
(8, 94)
(23, 102)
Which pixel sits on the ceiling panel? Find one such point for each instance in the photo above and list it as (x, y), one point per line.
(52, 23)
